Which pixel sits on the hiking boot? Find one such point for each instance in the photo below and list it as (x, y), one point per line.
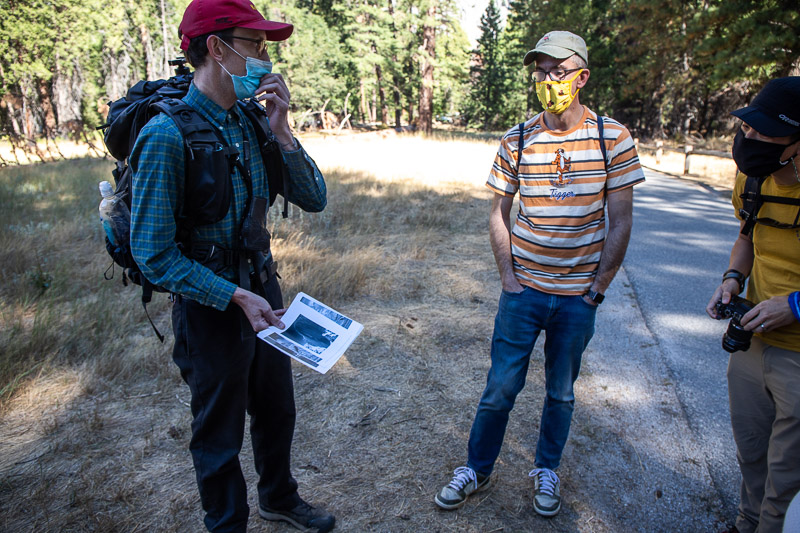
(304, 517)
(465, 483)
(546, 495)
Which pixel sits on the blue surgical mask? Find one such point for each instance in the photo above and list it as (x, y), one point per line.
(245, 86)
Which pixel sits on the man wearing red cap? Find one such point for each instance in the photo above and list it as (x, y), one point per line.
(764, 377)
(224, 281)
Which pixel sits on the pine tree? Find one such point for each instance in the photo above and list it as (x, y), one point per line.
(488, 71)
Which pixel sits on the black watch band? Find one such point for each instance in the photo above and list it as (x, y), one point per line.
(595, 296)
(735, 274)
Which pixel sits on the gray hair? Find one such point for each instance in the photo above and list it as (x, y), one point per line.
(578, 60)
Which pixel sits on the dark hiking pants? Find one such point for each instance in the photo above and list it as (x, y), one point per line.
(230, 371)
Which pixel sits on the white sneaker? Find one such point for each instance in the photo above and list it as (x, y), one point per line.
(546, 494)
(465, 482)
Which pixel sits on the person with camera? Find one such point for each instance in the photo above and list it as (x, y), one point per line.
(221, 270)
(574, 172)
(764, 332)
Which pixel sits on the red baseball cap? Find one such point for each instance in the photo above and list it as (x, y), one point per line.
(208, 16)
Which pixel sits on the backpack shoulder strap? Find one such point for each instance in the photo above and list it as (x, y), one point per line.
(274, 165)
(194, 127)
(751, 203)
(520, 145)
(197, 133)
(752, 200)
(600, 121)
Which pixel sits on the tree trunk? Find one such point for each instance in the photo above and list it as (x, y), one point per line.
(31, 121)
(67, 96)
(151, 62)
(396, 81)
(9, 104)
(48, 114)
(165, 38)
(364, 104)
(398, 104)
(373, 112)
(426, 68)
(119, 72)
(381, 96)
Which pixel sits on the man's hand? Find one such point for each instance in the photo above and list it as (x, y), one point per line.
(275, 99)
(500, 239)
(512, 285)
(727, 290)
(589, 301)
(257, 310)
(768, 315)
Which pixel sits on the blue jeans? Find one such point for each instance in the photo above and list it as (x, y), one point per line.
(568, 322)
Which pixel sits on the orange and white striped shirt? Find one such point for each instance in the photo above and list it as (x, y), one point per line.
(563, 182)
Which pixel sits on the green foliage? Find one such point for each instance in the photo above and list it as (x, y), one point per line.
(449, 94)
(670, 67)
(315, 67)
(664, 67)
(488, 72)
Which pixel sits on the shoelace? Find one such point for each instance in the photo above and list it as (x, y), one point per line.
(463, 476)
(547, 480)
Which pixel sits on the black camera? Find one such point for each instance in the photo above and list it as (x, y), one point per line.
(736, 338)
(180, 66)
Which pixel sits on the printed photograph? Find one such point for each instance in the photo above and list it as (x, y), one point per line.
(326, 311)
(310, 335)
(292, 349)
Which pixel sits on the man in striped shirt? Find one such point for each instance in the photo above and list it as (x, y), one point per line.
(226, 290)
(575, 182)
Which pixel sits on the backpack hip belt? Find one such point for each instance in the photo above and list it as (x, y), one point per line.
(246, 263)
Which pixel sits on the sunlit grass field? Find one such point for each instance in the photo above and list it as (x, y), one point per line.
(55, 307)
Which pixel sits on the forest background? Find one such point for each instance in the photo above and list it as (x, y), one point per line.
(666, 68)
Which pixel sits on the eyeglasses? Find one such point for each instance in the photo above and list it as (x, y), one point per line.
(261, 43)
(557, 74)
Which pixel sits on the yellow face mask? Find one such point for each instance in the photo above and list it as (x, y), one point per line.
(556, 96)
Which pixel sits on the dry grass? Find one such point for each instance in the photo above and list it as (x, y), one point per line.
(95, 435)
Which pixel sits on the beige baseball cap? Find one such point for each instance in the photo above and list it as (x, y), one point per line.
(558, 44)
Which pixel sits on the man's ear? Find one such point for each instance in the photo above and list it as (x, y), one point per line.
(582, 79)
(215, 47)
(793, 150)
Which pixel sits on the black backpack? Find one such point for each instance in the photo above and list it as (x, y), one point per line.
(752, 200)
(128, 115)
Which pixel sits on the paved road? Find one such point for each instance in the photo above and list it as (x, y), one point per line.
(682, 236)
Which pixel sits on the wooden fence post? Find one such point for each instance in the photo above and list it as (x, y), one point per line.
(687, 152)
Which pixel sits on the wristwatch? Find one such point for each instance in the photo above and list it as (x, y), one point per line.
(595, 296)
(735, 274)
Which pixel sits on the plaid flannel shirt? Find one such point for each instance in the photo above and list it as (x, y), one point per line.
(157, 162)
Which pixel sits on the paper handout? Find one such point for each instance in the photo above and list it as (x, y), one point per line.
(315, 334)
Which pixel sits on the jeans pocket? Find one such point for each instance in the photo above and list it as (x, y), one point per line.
(514, 294)
(587, 304)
